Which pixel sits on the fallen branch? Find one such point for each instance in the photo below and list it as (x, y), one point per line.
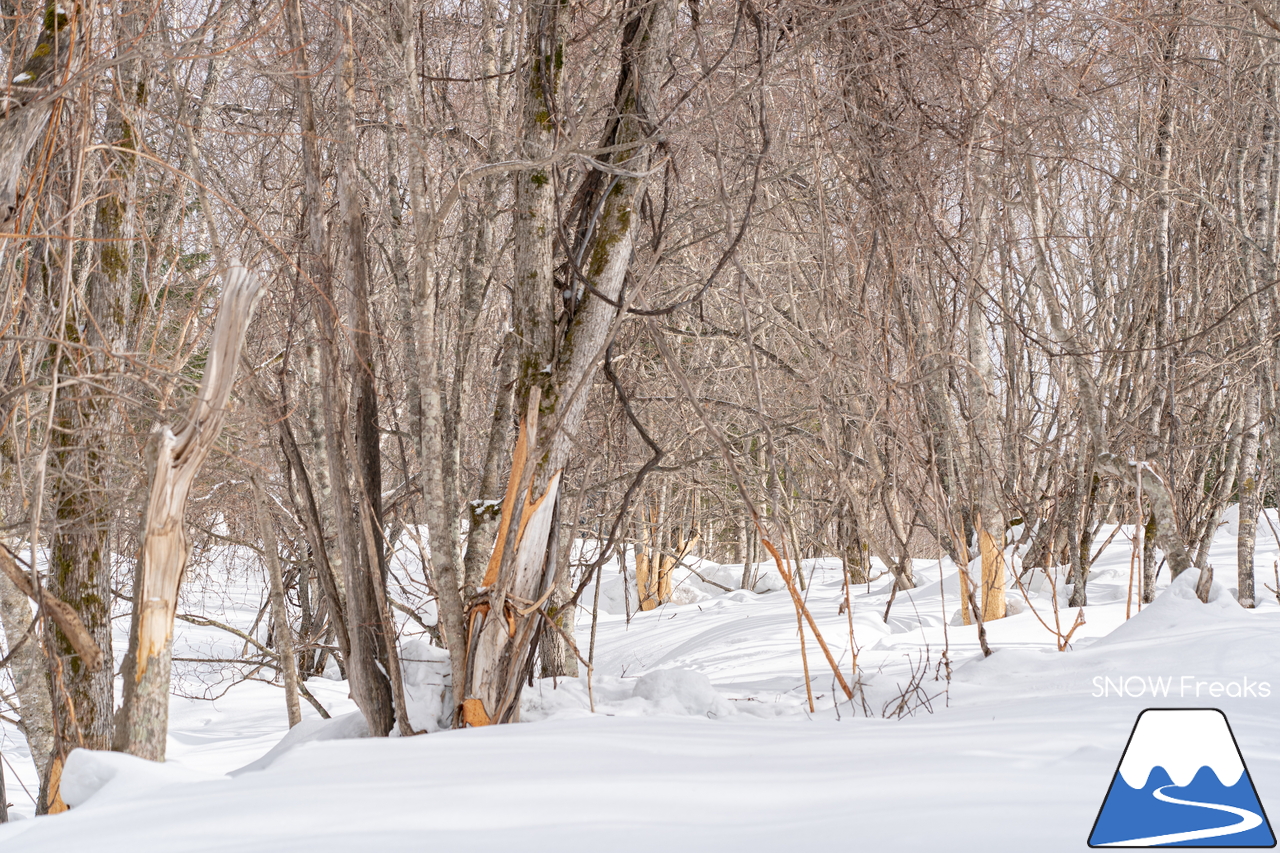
(63, 614)
(205, 622)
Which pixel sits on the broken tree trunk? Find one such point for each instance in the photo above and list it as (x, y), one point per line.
(505, 618)
(173, 460)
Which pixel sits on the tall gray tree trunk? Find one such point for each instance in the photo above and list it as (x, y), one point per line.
(373, 666)
(89, 415)
(369, 683)
(439, 485)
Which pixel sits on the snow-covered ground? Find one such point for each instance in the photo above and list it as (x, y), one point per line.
(701, 736)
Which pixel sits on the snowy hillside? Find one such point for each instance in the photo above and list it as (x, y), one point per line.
(702, 739)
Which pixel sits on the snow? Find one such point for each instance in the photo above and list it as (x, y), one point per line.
(701, 735)
(1181, 742)
(342, 727)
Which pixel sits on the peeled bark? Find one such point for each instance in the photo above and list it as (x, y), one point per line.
(993, 580)
(173, 460)
(503, 621)
(483, 512)
(645, 592)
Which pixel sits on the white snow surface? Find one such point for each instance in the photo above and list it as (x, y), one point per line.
(1181, 741)
(701, 737)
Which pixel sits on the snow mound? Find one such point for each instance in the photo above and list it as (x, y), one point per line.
(663, 692)
(1230, 521)
(117, 777)
(1177, 611)
(345, 727)
(427, 679)
(681, 691)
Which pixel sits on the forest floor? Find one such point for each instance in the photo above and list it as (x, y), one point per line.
(701, 737)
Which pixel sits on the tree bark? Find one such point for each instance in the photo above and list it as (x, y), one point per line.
(1247, 476)
(173, 460)
(30, 679)
(29, 100)
(282, 633)
(503, 622)
(371, 667)
(369, 685)
(88, 415)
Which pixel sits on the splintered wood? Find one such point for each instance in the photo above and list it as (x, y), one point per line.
(173, 460)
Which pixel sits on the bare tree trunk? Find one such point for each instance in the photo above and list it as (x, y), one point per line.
(29, 99)
(173, 460)
(439, 500)
(1079, 560)
(372, 666)
(1247, 489)
(370, 687)
(30, 679)
(504, 624)
(80, 551)
(1149, 565)
(489, 678)
(1263, 224)
(558, 656)
(282, 633)
(987, 453)
(987, 447)
(313, 527)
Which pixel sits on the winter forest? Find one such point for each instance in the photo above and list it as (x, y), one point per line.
(786, 412)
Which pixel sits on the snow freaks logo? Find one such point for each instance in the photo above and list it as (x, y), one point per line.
(1181, 783)
(1187, 686)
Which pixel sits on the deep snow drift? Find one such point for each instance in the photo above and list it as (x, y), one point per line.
(702, 738)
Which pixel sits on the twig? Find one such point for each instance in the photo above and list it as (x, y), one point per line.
(206, 622)
(727, 453)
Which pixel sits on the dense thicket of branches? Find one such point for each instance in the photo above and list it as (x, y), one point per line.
(868, 279)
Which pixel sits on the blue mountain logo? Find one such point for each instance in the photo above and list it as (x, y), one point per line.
(1181, 783)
